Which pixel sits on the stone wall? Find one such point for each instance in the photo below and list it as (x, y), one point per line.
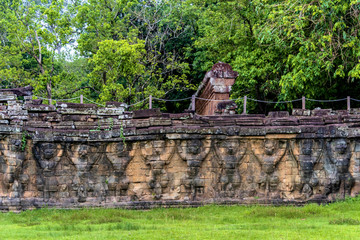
(75, 155)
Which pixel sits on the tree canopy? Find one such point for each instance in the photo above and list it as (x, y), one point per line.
(116, 50)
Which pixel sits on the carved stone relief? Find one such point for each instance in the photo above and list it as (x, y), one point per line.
(307, 153)
(11, 161)
(339, 152)
(47, 156)
(229, 154)
(84, 156)
(193, 151)
(268, 153)
(120, 155)
(157, 155)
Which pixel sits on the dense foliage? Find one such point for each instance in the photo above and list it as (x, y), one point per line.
(117, 50)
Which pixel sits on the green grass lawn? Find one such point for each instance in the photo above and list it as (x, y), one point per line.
(334, 221)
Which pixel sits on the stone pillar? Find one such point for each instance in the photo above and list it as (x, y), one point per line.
(215, 86)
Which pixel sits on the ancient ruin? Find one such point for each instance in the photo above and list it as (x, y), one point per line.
(79, 155)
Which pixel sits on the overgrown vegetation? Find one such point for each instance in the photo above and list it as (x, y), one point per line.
(118, 50)
(334, 221)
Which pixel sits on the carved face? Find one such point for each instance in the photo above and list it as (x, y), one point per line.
(229, 147)
(119, 155)
(306, 148)
(269, 147)
(340, 146)
(121, 149)
(47, 154)
(194, 146)
(48, 150)
(83, 150)
(158, 147)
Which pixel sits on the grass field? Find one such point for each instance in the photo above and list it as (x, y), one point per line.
(339, 220)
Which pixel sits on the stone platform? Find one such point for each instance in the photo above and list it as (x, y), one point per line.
(79, 155)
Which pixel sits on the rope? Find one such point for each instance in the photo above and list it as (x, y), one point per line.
(64, 99)
(95, 102)
(262, 101)
(335, 100)
(205, 99)
(356, 100)
(172, 100)
(213, 100)
(130, 105)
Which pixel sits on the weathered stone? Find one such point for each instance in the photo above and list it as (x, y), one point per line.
(321, 112)
(301, 112)
(110, 111)
(278, 114)
(288, 121)
(39, 107)
(147, 113)
(23, 91)
(76, 105)
(311, 121)
(74, 156)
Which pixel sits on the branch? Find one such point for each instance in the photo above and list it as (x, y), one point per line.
(37, 39)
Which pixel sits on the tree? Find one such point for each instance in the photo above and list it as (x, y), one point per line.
(283, 50)
(117, 64)
(164, 28)
(32, 33)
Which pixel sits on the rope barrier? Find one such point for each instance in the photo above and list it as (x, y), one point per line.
(172, 100)
(213, 100)
(95, 102)
(64, 99)
(130, 105)
(205, 99)
(262, 101)
(356, 100)
(335, 100)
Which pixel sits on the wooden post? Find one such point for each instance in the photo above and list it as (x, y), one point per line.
(81, 98)
(150, 102)
(348, 103)
(193, 102)
(245, 102)
(303, 103)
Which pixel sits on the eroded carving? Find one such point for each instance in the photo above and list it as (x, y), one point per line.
(157, 155)
(193, 151)
(269, 153)
(11, 160)
(230, 153)
(47, 156)
(307, 153)
(119, 154)
(84, 156)
(339, 152)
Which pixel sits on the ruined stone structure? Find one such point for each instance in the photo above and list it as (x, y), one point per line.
(216, 86)
(74, 155)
